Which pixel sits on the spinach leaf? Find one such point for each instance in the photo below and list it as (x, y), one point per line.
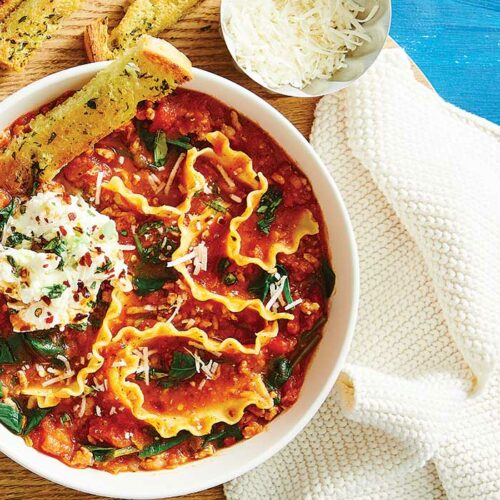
(279, 373)
(222, 265)
(307, 342)
(230, 279)
(148, 226)
(44, 345)
(11, 418)
(268, 205)
(33, 419)
(16, 239)
(6, 356)
(55, 291)
(105, 453)
(162, 445)
(328, 277)
(160, 149)
(5, 213)
(144, 285)
(182, 142)
(147, 137)
(225, 432)
(183, 367)
(260, 286)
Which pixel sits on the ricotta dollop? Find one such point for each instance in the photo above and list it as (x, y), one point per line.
(55, 253)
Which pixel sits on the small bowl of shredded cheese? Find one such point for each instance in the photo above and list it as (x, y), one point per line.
(305, 48)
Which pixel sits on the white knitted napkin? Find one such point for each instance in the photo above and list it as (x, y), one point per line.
(416, 410)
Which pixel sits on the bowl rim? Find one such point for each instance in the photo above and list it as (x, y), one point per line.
(53, 470)
(287, 90)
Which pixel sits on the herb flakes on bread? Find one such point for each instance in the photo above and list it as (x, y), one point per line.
(147, 17)
(148, 71)
(7, 6)
(25, 29)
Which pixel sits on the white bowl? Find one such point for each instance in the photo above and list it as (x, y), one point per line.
(325, 366)
(357, 62)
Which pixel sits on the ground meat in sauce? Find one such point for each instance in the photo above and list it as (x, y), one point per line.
(98, 419)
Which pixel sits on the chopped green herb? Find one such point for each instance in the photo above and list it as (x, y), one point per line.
(268, 205)
(162, 445)
(105, 267)
(147, 137)
(226, 432)
(16, 239)
(222, 265)
(91, 104)
(230, 279)
(55, 291)
(124, 232)
(52, 137)
(58, 246)
(79, 327)
(16, 269)
(6, 356)
(182, 142)
(216, 205)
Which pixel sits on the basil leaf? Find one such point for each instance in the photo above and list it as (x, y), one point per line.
(105, 267)
(104, 453)
(5, 213)
(160, 149)
(268, 205)
(328, 276)
(164, 444)
(58, 246)
(11, 418)
(16, 239)
(33, 419)
(55, 291)
(44, 345)
(219, 436)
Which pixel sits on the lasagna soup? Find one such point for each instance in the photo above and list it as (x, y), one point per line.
(161, 298)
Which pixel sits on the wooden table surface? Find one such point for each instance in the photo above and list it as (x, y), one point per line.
(197, 35)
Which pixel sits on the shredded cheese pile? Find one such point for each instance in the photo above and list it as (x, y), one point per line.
(293, 42)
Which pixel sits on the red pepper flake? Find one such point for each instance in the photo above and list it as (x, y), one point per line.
(46, 300)
(86, 260)
(71, 216)
(63, 231)
(49, 320)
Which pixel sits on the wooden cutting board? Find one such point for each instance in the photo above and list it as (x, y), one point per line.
(197, 35)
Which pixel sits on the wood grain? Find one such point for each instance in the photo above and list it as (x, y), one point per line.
(197, 35)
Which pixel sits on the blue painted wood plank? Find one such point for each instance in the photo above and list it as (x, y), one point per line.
(456, 43)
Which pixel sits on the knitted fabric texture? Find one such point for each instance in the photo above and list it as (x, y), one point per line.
(416, 410)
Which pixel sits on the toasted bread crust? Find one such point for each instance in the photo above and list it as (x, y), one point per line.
(150, 70)
(95, 38)
(147, 17)
(28, 26)
(7, 7)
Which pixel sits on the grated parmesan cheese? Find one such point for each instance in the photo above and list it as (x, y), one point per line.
(293, 304)
(98, 187)
(173, 173)
(276, 290)
(293, 42)
(60, 378)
